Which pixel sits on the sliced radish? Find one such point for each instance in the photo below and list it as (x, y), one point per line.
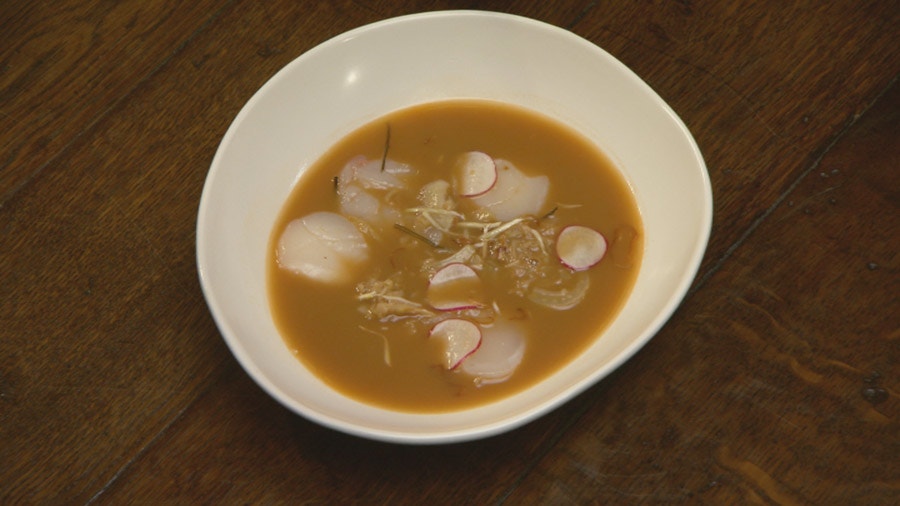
(580, 248)
(323, 246)
(455, 287)
(514, 194)
(474, 174)
(460, 337)
(501, 351)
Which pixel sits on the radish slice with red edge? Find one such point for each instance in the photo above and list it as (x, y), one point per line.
(476, 174)
(455, 287)
(580, 248)
(460, 338)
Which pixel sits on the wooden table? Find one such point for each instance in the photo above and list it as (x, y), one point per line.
(776, 381)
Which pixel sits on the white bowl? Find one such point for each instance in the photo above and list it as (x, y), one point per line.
(370, 71)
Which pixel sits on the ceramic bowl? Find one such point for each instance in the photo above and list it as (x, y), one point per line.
(365, 73)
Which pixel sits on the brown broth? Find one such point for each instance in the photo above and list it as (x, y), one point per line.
(323, 325)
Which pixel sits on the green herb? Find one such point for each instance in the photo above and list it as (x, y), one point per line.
(549, 213)
(416, 235)
(387, 145)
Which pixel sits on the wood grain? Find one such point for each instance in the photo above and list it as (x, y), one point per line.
(64, 64)
(775, 382)
(778, 380)
(759, 84)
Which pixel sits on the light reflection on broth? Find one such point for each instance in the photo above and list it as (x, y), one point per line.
(364, 317)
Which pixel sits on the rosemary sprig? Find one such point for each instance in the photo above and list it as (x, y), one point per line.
(387, 146)
(417, 235)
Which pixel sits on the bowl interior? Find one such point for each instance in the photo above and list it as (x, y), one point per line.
(360, 75)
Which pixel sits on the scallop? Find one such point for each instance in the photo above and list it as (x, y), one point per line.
(500, 353)
(514, 194)
(357, 202)
(372, 175)
(322, 246)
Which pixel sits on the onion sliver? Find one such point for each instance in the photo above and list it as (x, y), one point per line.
(460, 337)
(323, 246)
(580, 248)
(564, 297)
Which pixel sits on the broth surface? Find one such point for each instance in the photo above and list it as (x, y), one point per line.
(384, 358)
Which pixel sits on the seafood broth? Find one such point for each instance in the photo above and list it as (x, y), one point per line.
(451, 254)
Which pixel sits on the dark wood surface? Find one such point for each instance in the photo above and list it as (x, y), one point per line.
(776, 381)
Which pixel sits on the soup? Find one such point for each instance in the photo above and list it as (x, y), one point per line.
(451, 254)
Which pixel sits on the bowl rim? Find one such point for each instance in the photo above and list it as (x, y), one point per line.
(513, 421)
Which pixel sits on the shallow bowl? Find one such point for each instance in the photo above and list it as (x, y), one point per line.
(365, 73)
